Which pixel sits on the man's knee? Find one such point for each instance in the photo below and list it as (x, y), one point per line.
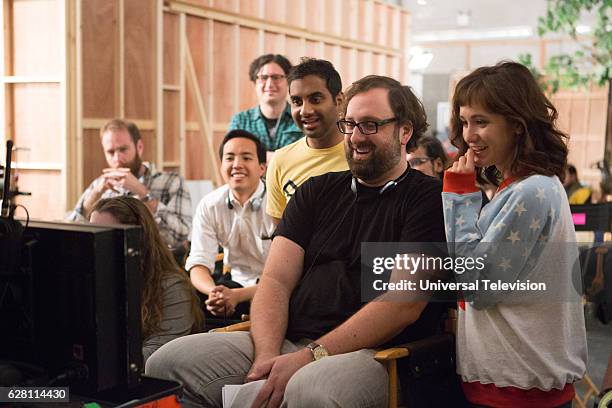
(353, 379)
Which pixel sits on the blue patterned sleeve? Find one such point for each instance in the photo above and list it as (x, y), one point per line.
(508, 235)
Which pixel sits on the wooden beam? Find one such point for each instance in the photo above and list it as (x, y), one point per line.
(95, 123)
(198, 10)
(48, 166)
(158, 55)
(182, 36)
(205, 131)
(7, 91)
(120, 85)
(38, 79)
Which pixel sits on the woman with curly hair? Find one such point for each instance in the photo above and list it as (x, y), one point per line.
(169, 305)
(516, 347)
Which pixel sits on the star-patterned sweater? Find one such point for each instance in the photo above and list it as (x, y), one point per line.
(505, 338)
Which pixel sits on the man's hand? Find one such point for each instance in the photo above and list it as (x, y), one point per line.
(465, 164)
(222, 301)
(123, 178)
(279, 371)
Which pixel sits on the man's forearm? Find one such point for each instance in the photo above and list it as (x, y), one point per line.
(269, 311)
(202, 279)
(374, 324)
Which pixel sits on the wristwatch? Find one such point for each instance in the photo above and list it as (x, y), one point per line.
(318, 351)
(147, 197)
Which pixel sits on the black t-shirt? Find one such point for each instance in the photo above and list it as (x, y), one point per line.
(330, 222)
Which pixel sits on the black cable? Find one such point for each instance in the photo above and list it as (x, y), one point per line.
(27, 214)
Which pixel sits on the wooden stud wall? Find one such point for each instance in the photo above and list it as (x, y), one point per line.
(225, 36)
(125, 58)
(583, 115)
(34, 101)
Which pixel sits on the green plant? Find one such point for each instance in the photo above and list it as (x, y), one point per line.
(592, 62)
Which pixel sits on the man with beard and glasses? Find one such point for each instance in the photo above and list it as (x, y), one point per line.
(312, 336)
(315, 91)
(163, 193)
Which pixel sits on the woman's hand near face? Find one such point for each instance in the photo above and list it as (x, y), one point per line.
(465, 164)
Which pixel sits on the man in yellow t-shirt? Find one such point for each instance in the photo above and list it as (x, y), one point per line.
(315, 91)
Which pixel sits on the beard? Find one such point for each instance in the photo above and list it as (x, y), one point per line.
(381, 160)
(135, 166)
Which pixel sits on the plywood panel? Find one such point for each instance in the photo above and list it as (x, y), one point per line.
(248, 52)
(36, 31)
(98, 28)
(273, 43)
(139, 59)
(38, 115)
(93, 156)
(577, 118)
(563, 108)
(227, 5)
(249, 8)
(197, 34)
(45, 203)
(381, 23)
(344, 67)
(171, 49)
(150, 146)
(332, 19)
(597, 117)
(224, 80)
(194, 169)
(274, 10)
(295, 49)
(380, 64)
(393, 28)
(313, 49)
(171, 126)
(296, 12)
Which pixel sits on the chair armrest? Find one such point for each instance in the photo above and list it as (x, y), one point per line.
(435, 344)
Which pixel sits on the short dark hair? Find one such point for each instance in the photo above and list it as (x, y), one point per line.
(261, 151)
(120, 124)
(266, 59)
(509, 89)
(318, 67)
(433, 147)
(405, 105)
(571, 170)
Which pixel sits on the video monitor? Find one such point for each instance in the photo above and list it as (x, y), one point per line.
(70, 307)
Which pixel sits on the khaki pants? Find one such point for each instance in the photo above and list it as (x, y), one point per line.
(205, 362)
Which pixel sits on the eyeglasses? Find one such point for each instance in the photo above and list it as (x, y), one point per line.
(416, 161)
(367, 127)
(274, 77)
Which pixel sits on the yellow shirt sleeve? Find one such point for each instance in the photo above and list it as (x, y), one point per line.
(276, 201)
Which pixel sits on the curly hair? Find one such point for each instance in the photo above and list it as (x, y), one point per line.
(405, 105)
(509, 89)
(156, 261)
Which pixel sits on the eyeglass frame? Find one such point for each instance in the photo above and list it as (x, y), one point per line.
(422, 160)
(377, 123)
(263, 81)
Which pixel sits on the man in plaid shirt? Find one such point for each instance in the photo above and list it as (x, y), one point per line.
(164, 193)
(271, 119)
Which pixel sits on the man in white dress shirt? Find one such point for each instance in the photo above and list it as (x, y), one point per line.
(234, 217)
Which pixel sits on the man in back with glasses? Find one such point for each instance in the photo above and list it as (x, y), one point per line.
(313, 334)
(271, 119)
